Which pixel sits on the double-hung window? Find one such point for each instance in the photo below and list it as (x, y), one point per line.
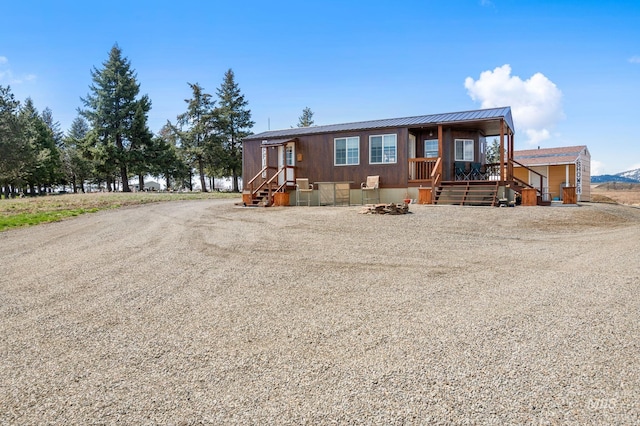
(383, 149)
(346, 151)
(464, 149)
(430, 148)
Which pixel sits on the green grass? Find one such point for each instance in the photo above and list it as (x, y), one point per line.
(33, 211)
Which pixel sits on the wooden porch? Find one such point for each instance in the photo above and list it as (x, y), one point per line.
(472, 183)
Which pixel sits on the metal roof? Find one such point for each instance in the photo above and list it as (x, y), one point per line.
(487, 118)
(548, 156)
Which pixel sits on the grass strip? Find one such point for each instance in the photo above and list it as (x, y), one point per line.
(33, 211)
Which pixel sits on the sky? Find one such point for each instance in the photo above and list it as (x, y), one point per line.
(570, 70)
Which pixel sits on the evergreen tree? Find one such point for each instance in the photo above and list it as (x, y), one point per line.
(110, 109)
(13, 148)
(76, 163)
(306, 119)
(43, 165)
(141, 150)
(58, 134)
(493, 152)
(233, 123)
(196, 131)
(167, 161)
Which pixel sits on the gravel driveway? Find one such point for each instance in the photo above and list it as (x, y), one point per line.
(202, 312)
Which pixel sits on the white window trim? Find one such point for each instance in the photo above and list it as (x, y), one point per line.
(346, 138)
(464, 141)
(396, 149)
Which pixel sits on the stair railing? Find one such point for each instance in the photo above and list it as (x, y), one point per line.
(436, 177)
(542, 177)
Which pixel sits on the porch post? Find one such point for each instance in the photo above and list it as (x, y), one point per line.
(502, 152)
(511, 143)
(440, 149)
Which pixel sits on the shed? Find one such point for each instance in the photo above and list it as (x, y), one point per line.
(559, 167)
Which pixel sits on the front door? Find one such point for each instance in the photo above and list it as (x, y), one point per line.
(287, 156)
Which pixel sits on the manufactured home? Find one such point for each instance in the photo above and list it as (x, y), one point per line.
(438, 158)
(555, 169)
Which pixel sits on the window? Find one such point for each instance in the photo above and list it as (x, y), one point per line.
(347, 151)
(382, 149)
(464, 149)
(289, 155)
(430, 148)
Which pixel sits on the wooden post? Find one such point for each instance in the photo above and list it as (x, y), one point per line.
(511, 149)
(440, 148)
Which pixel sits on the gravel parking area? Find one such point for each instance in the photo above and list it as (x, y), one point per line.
(203, 312)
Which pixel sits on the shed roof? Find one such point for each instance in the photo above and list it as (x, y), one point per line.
(549, 156)
(487, 120)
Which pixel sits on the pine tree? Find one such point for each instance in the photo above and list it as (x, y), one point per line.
(58, 134)
(234, 123)
(77, 166)
(43, 166)
(13, 147)
(167, 161)
(196, 130)
(140, 149)
(110, 109)
(306, 119)
(493, 152)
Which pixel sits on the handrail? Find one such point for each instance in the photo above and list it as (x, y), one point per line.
(436, 175)
(523, 183)
(280, 170)
(264, 169)
(250, 183)
(542, 177)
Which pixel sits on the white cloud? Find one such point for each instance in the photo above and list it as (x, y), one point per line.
(7, 75)
(536, 103)
(634, 59)
(486, 3)
(597, 167)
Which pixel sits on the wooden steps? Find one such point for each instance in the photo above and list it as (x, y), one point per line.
(468, 193)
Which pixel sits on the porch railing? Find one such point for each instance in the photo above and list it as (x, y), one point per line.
(262, 181)
(420, 169)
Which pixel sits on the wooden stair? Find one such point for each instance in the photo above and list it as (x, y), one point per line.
(467, 193)
(261, 199)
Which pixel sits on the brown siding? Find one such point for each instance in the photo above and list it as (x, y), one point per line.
(317, 156)
(317, 163)
(251, 159)
(448, 157)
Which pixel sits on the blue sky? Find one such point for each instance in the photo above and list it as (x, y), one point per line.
(570, 70)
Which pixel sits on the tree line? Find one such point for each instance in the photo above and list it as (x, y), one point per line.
(109, 142)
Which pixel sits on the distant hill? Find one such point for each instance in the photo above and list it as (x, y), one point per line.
(630, 176)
